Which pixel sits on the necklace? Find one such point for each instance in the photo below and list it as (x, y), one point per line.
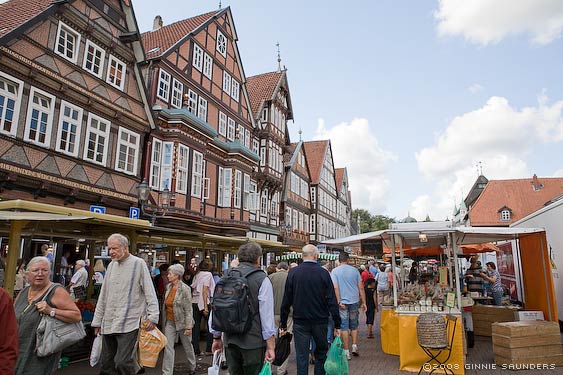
(31, 298)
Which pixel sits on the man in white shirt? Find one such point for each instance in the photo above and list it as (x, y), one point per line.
(80, 278)
(127, 295)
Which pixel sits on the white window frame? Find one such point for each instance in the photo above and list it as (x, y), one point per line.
(505, 215)
(100, 59)
(246, 198)
(208, 66)
(222, 124)
(247, 138)
(264, 203)
(197, 174)
(221, 43)
(230, 129)
(16, 98)
(238, 189)
(177, 93)
(50, 112)
(121, 67)
(163, 91)
(182, 169)
(166, 163)
(265, 115)
(192, 102)
(262, 156)
(240, 133)
(69, 120)
(131, 150)
(226, 82)
(98, 133)
(156, 158)
(224, 187)
(202, 109)
(254, 196)
(198, 57)
(235, 89)
(64, 28)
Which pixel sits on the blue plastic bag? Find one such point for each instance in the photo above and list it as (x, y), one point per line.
(336, 362)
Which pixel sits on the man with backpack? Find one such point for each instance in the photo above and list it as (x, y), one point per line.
(243, 310)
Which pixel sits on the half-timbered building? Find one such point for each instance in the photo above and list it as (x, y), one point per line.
(343, 204)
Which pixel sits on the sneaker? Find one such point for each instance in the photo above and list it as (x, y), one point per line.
(347, 352)
(355, 350)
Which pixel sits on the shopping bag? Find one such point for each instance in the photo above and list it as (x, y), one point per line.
(266, 369)
(216, 364)
(283, 348)
(96, 352)
(150, 345)
(336, 362)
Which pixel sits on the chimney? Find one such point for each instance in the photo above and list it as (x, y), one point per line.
(157, 24)
(535, 183)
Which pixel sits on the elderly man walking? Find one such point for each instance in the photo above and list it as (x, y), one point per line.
(309, 291)
(79, 279)
(127, 295)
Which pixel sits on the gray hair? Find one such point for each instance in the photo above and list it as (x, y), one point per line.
(282, 266)
(249, 252)
(177, 269)
(39, 259)
(80, 262)
(309, 251)
(121, 239)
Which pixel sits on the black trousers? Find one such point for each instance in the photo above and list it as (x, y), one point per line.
(196, 331)
(117, 353)
(244, 361)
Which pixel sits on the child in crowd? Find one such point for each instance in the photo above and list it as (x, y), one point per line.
(371, 302)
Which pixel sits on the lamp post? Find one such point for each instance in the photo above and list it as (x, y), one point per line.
(163, 204)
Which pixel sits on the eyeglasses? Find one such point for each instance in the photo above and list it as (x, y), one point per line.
(37, 271)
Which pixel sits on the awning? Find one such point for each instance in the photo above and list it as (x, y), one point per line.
(295, 256)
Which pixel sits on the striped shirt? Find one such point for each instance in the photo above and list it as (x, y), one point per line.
(497, 285)
(127, 294)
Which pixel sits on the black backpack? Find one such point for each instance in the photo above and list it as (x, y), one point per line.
(232, 307)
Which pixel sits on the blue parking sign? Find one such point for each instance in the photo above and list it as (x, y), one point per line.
(134, 212)
(98, 209)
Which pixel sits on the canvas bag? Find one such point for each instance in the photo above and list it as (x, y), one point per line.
(216, 364)
(54, 335)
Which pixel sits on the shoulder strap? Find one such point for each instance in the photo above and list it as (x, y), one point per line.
(252, 271)
(51, 288)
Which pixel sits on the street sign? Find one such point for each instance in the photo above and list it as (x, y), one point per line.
(98, 209)
(134, 212)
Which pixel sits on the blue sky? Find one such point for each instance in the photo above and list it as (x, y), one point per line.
(413, 94)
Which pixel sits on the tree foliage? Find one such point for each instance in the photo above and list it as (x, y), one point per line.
(369, 222)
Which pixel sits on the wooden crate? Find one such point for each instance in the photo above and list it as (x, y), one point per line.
(527, 343)
(485, 315)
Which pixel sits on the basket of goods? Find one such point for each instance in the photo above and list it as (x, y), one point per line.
(431, 330)
(87, 310)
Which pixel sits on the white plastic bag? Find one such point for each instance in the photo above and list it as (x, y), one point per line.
(96, 352)
(216, 364)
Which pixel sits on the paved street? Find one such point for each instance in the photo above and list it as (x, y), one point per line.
(371, 360)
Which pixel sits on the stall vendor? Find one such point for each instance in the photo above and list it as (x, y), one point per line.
(473, 277)
(493, 277)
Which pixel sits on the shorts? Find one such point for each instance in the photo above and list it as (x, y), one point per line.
(349, 317)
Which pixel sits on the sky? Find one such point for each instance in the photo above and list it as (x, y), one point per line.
(413, 95)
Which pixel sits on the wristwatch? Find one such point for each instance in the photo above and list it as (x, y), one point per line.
(52, 313)
(216, 337)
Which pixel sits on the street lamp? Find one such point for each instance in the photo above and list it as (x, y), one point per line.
(163, 205)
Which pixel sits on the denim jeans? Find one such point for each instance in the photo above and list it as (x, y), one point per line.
(330, 330)
(302, 334)
(497, 297)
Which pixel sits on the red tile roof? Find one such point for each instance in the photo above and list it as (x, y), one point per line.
(315, 152)
(339, 173)
(159, 41)
(261, 87)
(518, 195)
(17, 12)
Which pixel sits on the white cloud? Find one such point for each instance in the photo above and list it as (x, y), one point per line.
(558, 173)
(475, 88)
(367, 165)
(489, 21)
(420, 207)
(497, 135)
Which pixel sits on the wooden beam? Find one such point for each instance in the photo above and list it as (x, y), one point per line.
(13, 253)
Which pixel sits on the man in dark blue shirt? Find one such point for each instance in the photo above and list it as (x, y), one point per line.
(310, 292)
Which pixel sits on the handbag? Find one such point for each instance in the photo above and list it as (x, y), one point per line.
(216, 364)
(283, 349)
(54, 335)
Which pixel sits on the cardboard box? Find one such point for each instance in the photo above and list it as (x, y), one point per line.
(528, 315)
(525, 328)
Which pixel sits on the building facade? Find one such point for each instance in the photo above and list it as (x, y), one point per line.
(343, 204)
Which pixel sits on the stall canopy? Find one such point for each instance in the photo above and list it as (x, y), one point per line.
(539, 291)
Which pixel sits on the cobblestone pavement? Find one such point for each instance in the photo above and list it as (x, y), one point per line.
(372, 360)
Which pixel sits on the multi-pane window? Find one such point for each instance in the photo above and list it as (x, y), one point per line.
(197, 174)
(253, 196)
(224, 187)
(182, 169)
(70, 122)
(97, 136)
(255, 145)
(262, 156)
(163, 85)
(246, 188)
(221, 43)
(177, 93)
(127, 146)
(264, 203)
(68, 42)
(198, 57)
(238, 190)
(156, 157)
(192, 102)
(94, 59)
(505, 215)
(240, 133)
(208, 66)
(222, 124)
(227, 82)
(265, 114)
(202, 109)
(39, 117)
(166, 165)
(235, 89)
(247, 138)
(10, 95)
(116, 72)
(231, 129)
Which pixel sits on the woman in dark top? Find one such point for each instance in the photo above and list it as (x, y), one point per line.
(371, 302)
